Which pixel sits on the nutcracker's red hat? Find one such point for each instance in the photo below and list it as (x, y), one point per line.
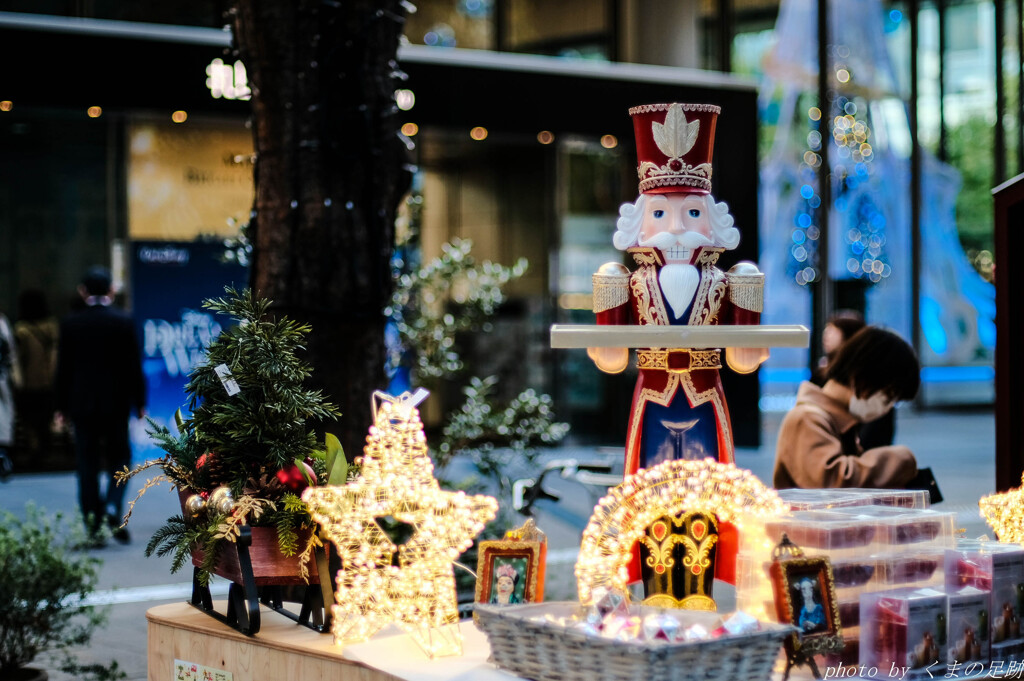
(674, 143)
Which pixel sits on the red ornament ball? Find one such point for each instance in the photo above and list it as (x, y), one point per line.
(293, 479)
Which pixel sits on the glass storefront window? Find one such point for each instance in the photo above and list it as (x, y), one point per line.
(593, 182)
(205, 13)
(569, 28)
(577, 29)
(452, 23)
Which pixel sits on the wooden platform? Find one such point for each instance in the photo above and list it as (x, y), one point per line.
(281, 650)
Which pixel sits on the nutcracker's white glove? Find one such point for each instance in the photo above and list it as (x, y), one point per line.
(609, 360)
(745, 360)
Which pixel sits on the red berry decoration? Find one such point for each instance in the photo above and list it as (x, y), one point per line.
(296, 476)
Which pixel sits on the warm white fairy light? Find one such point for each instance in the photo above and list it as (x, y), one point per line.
(1005, 513)
(397, 480)
(621, 517)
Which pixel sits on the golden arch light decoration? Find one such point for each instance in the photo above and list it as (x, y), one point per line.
(620, 518)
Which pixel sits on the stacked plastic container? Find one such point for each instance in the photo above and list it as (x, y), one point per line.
(995, 634)
(876, 540)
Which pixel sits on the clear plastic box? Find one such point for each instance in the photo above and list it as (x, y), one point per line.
(900, 498)
(822, 499)
(905, 525)
(849, 613)
(905, 629)
(825, 530)
(999, 569)
(908, 567)
(971, 563)
(852, 571)
(967, 620)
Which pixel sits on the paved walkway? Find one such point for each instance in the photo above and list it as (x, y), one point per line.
(958, 445)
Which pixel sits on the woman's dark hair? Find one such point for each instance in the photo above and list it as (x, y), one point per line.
(848, 322)
(877, 359)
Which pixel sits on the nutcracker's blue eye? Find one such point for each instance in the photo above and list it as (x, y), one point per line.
(659, 213)
(694, 213)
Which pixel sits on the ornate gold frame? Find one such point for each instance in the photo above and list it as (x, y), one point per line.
(782, 573)
(488, 550)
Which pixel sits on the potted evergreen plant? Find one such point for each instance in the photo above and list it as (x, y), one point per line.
(44, 584)
(247, 450)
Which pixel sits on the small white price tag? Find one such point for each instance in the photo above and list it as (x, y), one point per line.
(226, 380)
(415, 398)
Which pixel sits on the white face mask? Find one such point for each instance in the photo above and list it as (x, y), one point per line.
(871, 407)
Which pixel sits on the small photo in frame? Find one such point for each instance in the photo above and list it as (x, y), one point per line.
(507, 572)
(805, 596)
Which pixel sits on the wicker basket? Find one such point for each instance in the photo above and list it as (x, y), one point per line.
(528, 645)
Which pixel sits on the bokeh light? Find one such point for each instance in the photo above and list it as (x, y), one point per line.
(405, 99)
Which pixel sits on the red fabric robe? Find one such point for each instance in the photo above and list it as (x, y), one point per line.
(710, 306)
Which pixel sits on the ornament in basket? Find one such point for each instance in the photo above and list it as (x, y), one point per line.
(562, 641)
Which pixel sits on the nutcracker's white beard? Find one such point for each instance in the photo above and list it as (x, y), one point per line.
(678, 284)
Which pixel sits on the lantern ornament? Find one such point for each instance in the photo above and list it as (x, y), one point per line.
(648, 507)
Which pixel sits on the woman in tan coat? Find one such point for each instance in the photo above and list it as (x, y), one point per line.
(818, 445)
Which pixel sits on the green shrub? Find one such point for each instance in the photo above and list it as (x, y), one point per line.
(44, 582)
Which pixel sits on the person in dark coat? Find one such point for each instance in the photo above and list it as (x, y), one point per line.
(99, 383)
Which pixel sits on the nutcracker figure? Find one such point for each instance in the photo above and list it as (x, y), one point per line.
(675, 232)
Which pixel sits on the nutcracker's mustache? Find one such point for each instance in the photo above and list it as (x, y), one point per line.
(667, 240)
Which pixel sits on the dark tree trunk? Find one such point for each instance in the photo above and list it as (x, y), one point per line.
(330, 171)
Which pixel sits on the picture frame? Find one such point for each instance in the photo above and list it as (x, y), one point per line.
(509, 572)
(805, 597)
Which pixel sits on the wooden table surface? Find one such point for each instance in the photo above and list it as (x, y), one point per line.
(281, 650)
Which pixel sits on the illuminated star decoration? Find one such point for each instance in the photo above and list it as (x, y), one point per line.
(620, 518)
(416, 591)
(1005, 513)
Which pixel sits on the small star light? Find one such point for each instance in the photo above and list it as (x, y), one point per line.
(733, 494)
(1005, 513)
(396, 479)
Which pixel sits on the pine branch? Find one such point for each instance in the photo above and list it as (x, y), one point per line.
(167, 537)
(287, 537)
